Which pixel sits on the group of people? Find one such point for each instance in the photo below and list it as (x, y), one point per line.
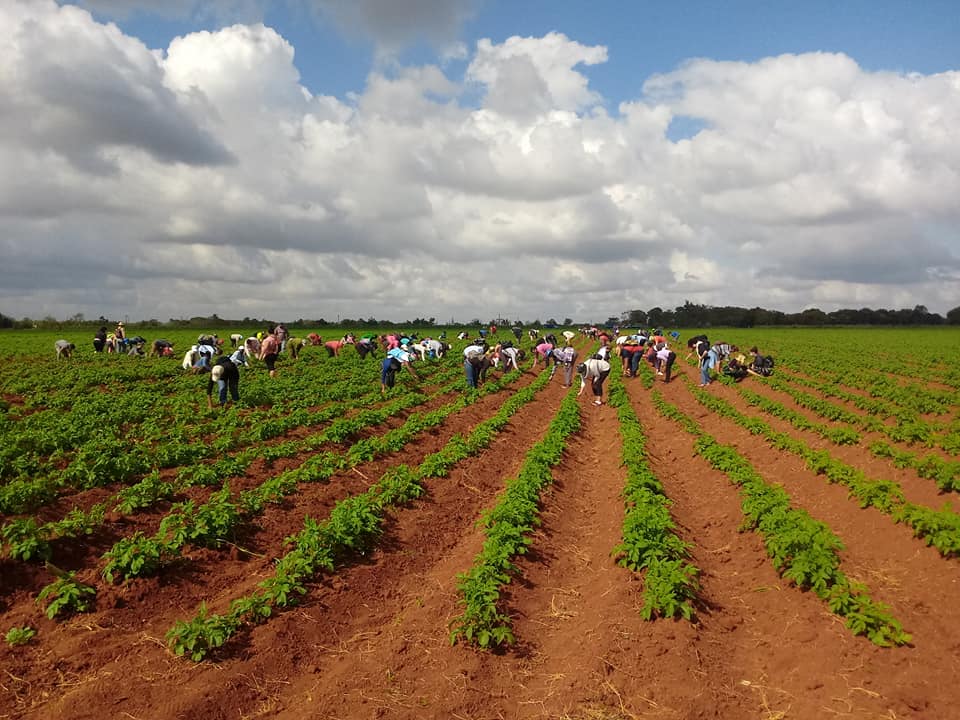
(712, 356)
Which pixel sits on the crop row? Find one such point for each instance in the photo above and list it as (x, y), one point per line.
(352, 528)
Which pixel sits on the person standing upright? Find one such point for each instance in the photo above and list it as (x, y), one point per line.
(269, 349)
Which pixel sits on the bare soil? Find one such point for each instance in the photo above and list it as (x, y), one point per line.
(372, 641)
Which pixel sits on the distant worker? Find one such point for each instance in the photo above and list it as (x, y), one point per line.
(64, 348)
(100, 339)
(269, 349)
(295, 345)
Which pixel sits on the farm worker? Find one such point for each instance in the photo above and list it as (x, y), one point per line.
(517, 332)
(295, 345)
(708, 361)
(723, 350)
(120, 337)
(252, 346)
(568, 335)
(314, 339)
(565, 356)
(486, 362)
(239, 357)
(199, 359)
(280, 332)
(161, 348)
(472, 361)
(64, 348)
(366, 345)
(666, 356)
(269, 349)
(226, 375)
(631, 352)
(604, 350)
(235, 339)
(596, 371)
(334, 346)
(100, 339)
(388, 373)
(698, 345)
(435, 348)
(404, 358)
(542, 352)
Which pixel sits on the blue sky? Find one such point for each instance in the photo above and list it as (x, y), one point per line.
(643, 37)
(365, 157)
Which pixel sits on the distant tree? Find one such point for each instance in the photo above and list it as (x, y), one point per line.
(568, 321)
(655, 316)
(953, 316)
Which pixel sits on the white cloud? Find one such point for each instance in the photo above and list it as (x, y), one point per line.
(176, 182)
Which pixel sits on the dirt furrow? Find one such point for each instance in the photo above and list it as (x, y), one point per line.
(898, 569)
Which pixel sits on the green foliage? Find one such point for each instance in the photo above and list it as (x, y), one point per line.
(19, 635)
(66, 596)
(201, 635)
(136, 556)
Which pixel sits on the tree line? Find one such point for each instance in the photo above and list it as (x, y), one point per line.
(687, 315)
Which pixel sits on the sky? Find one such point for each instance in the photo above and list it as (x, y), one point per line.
(464, 159)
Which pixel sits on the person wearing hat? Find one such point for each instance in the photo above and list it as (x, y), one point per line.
(226, 375)
(596, 371)
(120, 337)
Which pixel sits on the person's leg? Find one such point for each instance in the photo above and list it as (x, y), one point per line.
(598, 386)
(468, 371)
(669, 366)
(222, 391)
(234, 384)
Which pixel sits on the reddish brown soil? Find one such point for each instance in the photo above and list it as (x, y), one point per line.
(372, 641)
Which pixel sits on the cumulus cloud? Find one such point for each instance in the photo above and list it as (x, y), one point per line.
(170, 182)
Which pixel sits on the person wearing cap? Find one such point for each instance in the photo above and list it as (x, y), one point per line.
(226, 375)
(64, 348)
(596, 371)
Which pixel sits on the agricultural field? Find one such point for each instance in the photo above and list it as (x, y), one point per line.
(781, 547)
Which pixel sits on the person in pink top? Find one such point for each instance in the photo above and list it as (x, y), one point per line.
(334, 346)
(542, 352)
(269, 349)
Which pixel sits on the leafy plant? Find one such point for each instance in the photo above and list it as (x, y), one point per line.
(66, 596)
(19, 635)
